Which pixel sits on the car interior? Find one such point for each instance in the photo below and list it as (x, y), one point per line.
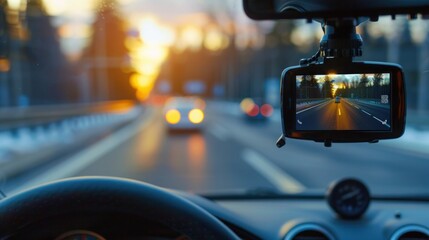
(327, 102)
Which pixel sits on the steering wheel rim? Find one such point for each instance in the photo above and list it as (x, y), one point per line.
(102, 194)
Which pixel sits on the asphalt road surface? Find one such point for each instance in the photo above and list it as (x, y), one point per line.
(344, 115)
(232, 154)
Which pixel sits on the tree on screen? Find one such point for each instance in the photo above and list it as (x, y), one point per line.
(378, 77)
(363, 86)
(314, 87)
(309, 87)
(303, 88)
(327, 88)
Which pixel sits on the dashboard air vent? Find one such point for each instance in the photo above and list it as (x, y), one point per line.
(309, 232)
(411, 232)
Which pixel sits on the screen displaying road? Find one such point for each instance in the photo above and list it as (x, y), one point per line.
(343, 102)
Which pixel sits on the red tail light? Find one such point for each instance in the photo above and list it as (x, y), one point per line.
(254, 111)
(266, 110)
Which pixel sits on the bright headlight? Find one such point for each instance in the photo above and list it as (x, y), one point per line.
(172, 116)
(196, 116)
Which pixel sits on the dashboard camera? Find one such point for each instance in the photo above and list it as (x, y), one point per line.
(332, 98)
(352, 102)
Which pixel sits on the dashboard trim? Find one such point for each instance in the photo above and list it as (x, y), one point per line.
(408, 228)
(307, 226)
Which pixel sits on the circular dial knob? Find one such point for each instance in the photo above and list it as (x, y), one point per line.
(349, 198)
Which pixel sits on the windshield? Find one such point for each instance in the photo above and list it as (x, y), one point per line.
(185, 95)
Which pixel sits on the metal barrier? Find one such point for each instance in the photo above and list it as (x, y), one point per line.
(33, 136)
(29, 116)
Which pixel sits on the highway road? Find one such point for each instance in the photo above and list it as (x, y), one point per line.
(231, 154)
(345, 115)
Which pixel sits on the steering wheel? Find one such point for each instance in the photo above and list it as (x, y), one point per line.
(100, 195)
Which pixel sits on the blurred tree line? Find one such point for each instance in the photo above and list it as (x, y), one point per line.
(105, 61)
(365, 88)
(34, 70)
(279, 52)
(359, 87)
(245, 72)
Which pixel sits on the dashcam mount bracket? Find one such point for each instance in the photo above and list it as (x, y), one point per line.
(341, 43)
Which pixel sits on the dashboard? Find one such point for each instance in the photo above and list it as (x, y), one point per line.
(285, 219)
(111, 208)
(313, 218)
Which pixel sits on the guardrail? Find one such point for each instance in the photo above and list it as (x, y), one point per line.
(33, 136)
(29, 116)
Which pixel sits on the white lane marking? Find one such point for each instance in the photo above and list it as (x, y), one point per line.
(320, 104)
(271, 172)
(220, 132)
(339, 112)
(86, 157)
(382, 122)
(367, 113)
(351, 104)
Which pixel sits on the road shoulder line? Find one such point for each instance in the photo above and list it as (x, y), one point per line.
(280, 179)
(88, 156)
(320, 104)
(367, 113)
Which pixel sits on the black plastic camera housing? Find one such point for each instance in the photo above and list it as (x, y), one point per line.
(364, 103)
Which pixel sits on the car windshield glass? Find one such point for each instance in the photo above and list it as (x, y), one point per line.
(185, 95)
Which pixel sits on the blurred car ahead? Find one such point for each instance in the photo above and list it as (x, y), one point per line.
(256, 109)
(184, 113)
(337, 99)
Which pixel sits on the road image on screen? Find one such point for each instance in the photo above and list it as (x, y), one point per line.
(343, 102)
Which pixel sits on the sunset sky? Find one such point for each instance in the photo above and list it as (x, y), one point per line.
(74, 18)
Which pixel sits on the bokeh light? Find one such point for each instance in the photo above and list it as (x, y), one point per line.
(148, 53)
(191, 37)
(172, 116)
(246, 105)
(67, 7)
(196, 116)
(14, 4)
(153, 33)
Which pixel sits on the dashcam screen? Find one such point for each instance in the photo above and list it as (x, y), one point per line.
(343, 102)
